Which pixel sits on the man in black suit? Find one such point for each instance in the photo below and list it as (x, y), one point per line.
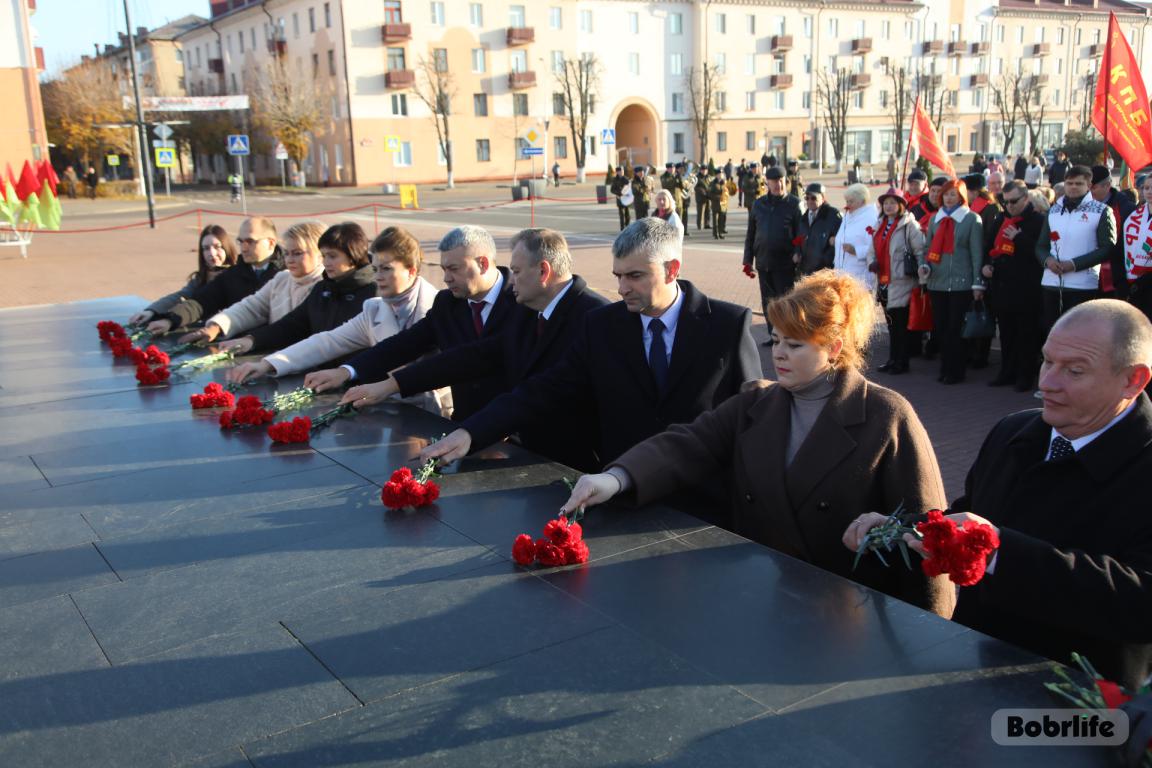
(1065, 487)
(662, 355)
(476, 304)
(553, 302)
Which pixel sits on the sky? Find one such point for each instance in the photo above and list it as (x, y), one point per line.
(67, 29)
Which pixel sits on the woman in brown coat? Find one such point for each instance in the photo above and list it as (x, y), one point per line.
(807, 454)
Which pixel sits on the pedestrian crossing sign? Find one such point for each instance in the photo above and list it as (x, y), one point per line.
(165, 157)
(238, 144)
(608, 136)
(392, 143)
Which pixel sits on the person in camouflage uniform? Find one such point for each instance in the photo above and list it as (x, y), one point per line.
(718, 201)
(643, 187)
(619, 182)
(795, 183)
(703, 203)
(753, 187)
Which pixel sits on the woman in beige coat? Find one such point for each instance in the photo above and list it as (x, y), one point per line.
(402, 298)
(806, 455)
(303, 268)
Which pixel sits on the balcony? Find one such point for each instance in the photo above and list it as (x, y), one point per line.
(1041, 49)
(399, 78)
(781, 43)
(981, 49)
(977, 81)
(40, 58)
(1038, 81)
(396, 33)
(216, 65)
(779, 82)
(860, 80)
(931, 81)
(1096, 50)
(862, 45)
(278, 48)
(957, 48)
(933, 47)
(520, 80)
(521, 35)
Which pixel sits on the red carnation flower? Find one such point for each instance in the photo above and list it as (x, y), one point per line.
(1055, 236)
(869, 230)
(576, 553)
(524, 550)
(548, 554)
(798, 241)
(296, 431)
(393, 495)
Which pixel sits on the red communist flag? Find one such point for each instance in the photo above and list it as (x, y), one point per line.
(47, 175)
(28, 184)
(928, 142)
(1120, 111)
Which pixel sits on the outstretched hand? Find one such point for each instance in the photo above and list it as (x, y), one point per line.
(591, 490)
(448, 449)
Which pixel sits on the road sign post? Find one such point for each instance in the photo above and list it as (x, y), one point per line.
(166, 158)
(282, 156)
(238, 147)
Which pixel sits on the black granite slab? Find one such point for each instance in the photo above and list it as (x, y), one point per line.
(20, 473)
(48, 637)
(47, 574)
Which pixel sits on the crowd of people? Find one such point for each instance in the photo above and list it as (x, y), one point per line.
(805, 463)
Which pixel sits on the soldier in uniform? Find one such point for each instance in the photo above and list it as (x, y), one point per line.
(643, 187)
(718, 201)
(753, 186)
(619, 184)
(668, 178)
(686, 182)
(703, 203)
(795, 183)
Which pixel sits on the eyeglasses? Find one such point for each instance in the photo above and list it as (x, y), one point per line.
(1014, 200)
(249, 240)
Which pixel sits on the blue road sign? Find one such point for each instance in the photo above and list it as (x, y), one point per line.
(530, 151)
(608, 136)
(238, 144)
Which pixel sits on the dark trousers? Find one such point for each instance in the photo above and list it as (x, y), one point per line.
(703, 214)
(641, 210)
(625, 215)
(719, 223)
(774, 281)
(948, 308)
(897, 319)
(685, 207)
(1019, 346)
(1054, 306)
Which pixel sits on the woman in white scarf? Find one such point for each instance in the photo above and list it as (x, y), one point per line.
(402, 298)
(1136, 234)
(854, 239)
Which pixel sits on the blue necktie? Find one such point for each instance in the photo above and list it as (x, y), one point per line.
(658, 355)
(1060, 448)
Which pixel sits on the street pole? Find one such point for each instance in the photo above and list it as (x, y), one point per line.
(145, 168)
(168, 182)
(243, 184)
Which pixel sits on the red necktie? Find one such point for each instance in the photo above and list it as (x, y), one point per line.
(478, 317)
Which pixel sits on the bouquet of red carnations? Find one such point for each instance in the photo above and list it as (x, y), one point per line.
(301, 428)
(249, 412)
(214, 396)
(961, 551)
(408, 489)
(563, 544)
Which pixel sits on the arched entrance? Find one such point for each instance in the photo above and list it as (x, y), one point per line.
(637, 139)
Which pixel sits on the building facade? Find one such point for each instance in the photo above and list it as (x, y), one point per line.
(22, 132)
(371, 61)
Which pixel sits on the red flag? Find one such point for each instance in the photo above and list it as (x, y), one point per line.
(1120, 111)
(10, 177)
(28, 184)
(47, 175)
(928, 142)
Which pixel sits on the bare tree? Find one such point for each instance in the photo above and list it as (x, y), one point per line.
(1088, 95)
(834, 92)
(1006, 94)
(703, 85)
(287, 106)
(898, 106)
(1033, 103)
(579, 83)
(435, 87)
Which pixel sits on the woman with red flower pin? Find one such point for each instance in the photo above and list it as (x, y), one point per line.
(897, 246)
(806, 454)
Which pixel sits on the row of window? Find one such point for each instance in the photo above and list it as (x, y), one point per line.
(480, 105)
(517, 16)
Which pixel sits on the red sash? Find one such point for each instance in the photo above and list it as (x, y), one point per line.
(880, 242)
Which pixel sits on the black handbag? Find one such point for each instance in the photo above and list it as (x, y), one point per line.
(911, 266)
(978, 322)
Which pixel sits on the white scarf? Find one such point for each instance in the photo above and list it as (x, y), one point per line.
(1138, 242)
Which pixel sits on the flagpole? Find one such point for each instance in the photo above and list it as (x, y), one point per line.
(1108, 84)
(908, 148)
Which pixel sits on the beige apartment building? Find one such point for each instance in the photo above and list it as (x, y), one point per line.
(159, 58)
(22, 132)
(368, 61)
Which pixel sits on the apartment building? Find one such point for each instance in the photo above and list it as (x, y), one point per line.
(370, 59)
(22, 132)
(159, 58)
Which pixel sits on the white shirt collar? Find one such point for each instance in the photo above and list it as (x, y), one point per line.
(548, 310)
(671, 315)
(1080, 442)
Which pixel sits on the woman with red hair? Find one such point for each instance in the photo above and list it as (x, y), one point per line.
(951, 269)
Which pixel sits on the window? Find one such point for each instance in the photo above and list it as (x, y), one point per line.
(982, 32)
(861, 29)
(331, 62)
(240, 39)
(977, 98)
(858, 99)
(400, 104)
(443, 103)
(777, 25)
(751, 23)
(1059, 66)
(750, 101)
(516, 16)
(518, 61)
(1060, 36)
(834, 27)
(521, 145)
(315, 65)
(560, 147)
(676, 64)
(883, 97)
(721, 101)
(1000, 33)
(327, 15)
(778, 99)
(311, 19)
(909, 29)
(807, 64)
(556, 18)
(334, 103)
(749, 64)
(558, 104)
(437, 13)
(480, 104)
(808, 26)
(677, 103)
(295, 25)
(1095, 36)
(483, 151)
(396, 59)
(520, 104)
(476, 14)
(749, 139)
(477, 59)
(634, 22)
(886, 30)
(234, 88)
(440, 59)
(778, 64)
(558, 62)
(806, 99)
(675, 24)
(722, 23)
(1056, 97)
(721, 63)
(721, 141)
(634, 64)
(1020, 35)
(954, 65)
(1038, 35)
(586, 21)
(677, 143)
(403, 156)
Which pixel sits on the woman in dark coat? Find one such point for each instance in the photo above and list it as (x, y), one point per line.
(807, 454)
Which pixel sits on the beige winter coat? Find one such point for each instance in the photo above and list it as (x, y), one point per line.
(279, 296)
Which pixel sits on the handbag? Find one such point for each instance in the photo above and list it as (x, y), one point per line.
(919, 310)
(911, 265)
(978, 322)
